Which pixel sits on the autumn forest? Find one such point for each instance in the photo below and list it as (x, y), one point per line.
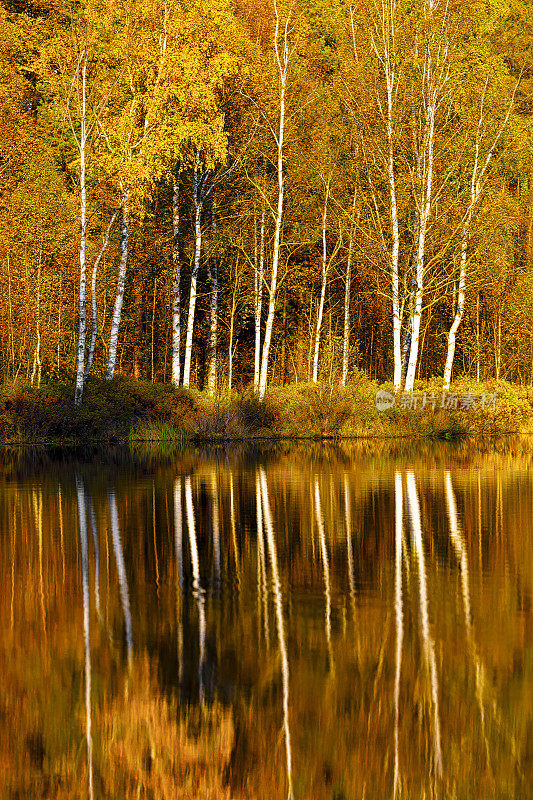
(243, 194)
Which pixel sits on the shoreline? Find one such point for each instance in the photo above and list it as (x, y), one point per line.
(142, 415)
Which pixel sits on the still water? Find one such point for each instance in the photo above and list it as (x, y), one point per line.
(314, 621)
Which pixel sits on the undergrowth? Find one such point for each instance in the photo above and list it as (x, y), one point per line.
(159, 417)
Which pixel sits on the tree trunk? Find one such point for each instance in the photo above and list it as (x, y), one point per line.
(320, 313)
(176, 299)
(347, 289)
(82, 307)
(94, 331)
(121, 280)
(259, 276)
(425, 209)
(194, 274)
(283, 64)
(459, 311)
(213, 316)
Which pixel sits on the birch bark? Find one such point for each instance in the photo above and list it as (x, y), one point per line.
(282, 60)
(213, 317)
(94, 331)
(82, 303)
(320, 313)
(259, 264)
(347, 290)
(198, 203)
(121, 280)
(176, 296)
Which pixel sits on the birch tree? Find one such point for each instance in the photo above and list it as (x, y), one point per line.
(282, 53)
(477, 183)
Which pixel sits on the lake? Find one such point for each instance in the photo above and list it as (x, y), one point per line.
(312, 620)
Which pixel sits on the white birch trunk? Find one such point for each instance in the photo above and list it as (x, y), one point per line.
(176, 296)
(121, 280)
(194, 274)
(94, 331)
(459, 311)
(320, 313)
(347, 290)
(386, 53)
(283, 64)
(259, 264)
(419, 266)
(82, 312)
(212, 348)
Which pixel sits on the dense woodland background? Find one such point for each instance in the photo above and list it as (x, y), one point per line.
(164, 119)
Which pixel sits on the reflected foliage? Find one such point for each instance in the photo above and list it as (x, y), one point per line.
(314, 621)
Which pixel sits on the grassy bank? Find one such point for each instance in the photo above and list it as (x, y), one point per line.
(157, 415)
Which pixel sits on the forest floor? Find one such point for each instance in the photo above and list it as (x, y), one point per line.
(139, 412)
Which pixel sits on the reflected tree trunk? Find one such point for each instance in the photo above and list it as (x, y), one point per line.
(82, 520)
(94, 529)
(429, 646)
(325, 566)
(398, 603)
(216, 526)
(460, 550)
(178, 540)
(271, 541)
(197, 586)
(262, 579)
(121, 570)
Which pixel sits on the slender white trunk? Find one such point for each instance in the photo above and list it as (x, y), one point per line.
(395, 228)
(197, 585)
(385, 48)
(459, 311)
(424, 214)
(429, 645)
(231, 329)
(282, 60)
(121, 280)
(259, 276)
(398, 602)
(347, 290)
(197, 192)
(320, 313)
(276, 585)
(176, 296)
(82, 309)
(122, 576)
(94, 331)
(212, 349)
(82, 519)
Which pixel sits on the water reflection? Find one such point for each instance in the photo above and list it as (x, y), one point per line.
(311, 624)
